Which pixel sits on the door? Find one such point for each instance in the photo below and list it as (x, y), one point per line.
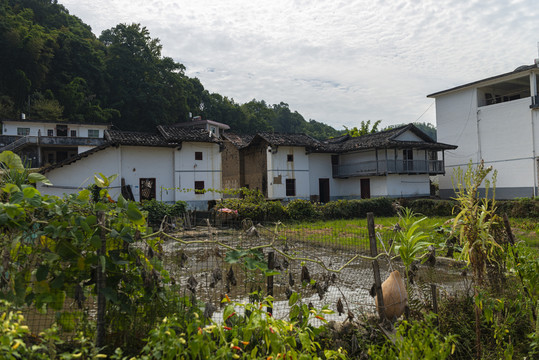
(365, 188)
(147, 188)
(323, 187)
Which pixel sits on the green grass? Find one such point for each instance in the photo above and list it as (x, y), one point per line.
(353, 232)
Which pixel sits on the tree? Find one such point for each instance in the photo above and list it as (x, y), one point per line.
(364, 129)
(146, 88)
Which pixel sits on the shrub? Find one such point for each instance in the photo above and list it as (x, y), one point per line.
(157, 210)
(301, 210)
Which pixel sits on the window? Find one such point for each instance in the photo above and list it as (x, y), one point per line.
(290, 157)
(92, 133)
(74, 133)
(213, 130)
(147, 188)
(290, 187)
(199, 187)
(408, 159)
(50, 132)
(198, 155)
(23, 131)
(61, 130)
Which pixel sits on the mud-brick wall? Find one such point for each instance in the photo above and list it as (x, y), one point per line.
(254, 167)
(230, 158)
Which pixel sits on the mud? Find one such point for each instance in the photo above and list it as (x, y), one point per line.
(202, 268)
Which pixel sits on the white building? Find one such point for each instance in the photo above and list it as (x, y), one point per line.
(174, 164)
(47, 142)
(493, 119)
(392, 163)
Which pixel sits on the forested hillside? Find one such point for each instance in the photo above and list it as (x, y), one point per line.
(53, 67)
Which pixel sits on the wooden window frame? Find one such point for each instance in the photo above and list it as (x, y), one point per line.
(199, 156)
(199, 187)
(291, 187)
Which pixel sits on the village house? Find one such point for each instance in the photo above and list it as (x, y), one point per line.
(170, 165)
(393, 163)
(46, 142)
(495, 120)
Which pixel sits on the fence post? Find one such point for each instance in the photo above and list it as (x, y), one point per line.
(100, 284)
(434, 300)
(271, 266)
(375, 268)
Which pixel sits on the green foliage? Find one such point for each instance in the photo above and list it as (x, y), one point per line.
(120, 77)
(49, 246)
(410, 243)
(247, 332)
(252, 205)
(364, 129)
(417, 340)
(299, 209)
(157, 210)
(349, 209)
(476, 218)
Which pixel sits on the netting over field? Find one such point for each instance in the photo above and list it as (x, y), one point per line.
(326, 265)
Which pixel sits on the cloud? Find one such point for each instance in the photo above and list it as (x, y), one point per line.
(336, 62)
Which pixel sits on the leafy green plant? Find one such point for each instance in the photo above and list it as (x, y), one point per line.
(410, 243)
(300, 209)
(158, 210)
(247, 331)
(416, 340)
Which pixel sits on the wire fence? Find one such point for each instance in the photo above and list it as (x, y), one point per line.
(211, 259)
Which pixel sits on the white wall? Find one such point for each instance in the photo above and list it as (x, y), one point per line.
(189, 170)
(75, 177)
(501, 134)
(407, 185)
(172, 169)
(320, 168)
(297, 169)
(40, 128)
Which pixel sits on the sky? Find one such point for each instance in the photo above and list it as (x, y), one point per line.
(338, 62)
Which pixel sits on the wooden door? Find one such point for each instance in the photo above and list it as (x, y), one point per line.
(365, 188)
(323, 187)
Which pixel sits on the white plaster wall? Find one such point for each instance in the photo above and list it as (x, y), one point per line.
(80, 174)
(189, 170)
(297, 169)
(347, 188)
(320, 168)
(407, 185)
(148, 162)
(81, 149)
(456, 123)
(360, 156)
(408, 136)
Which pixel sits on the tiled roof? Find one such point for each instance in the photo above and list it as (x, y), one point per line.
(279, 139)
(173, 137)
(381, 140)
(136, 138)
(239, 141)
(178, 134)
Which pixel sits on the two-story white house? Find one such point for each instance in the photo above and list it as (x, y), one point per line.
(46, 142)
(393, 163)
(494, 119)
(170, 165)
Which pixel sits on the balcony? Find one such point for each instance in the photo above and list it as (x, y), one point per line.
(383, 167)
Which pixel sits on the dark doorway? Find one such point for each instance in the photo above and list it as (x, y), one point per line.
(147, 188)
(365, 188)
(61, 130)
(323, 187)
